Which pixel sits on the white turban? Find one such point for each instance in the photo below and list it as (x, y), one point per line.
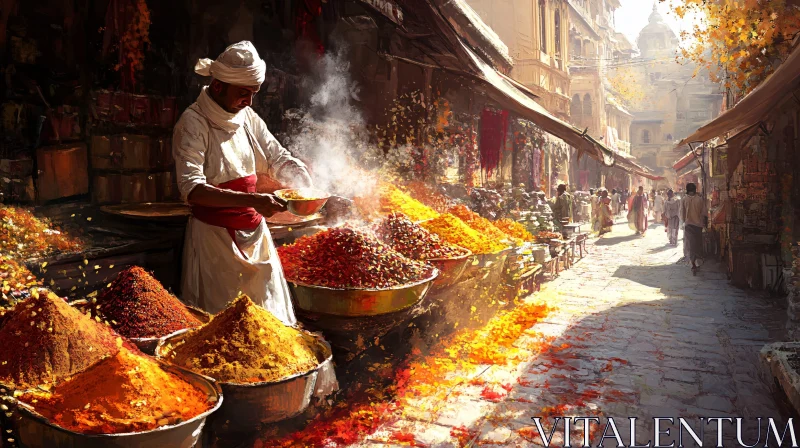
(239, 65)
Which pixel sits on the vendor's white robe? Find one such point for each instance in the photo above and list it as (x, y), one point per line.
(211, 146)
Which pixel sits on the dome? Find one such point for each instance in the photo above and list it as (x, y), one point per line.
(656, 25)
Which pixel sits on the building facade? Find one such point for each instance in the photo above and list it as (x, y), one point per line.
(675, 102)
(536, 33)
(595, 49)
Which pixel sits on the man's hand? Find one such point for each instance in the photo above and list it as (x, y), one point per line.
(268, 204)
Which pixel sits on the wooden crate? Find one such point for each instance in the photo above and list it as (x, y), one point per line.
(107, 188)
(63, 171)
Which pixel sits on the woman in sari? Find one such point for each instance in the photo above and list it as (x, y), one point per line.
(637, 214)
(605, 215)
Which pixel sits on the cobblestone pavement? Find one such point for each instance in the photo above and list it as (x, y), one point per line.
(641, 338)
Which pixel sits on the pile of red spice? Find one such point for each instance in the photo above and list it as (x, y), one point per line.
(137, 306)
(46, 340)
(413, 240)
(347, 258)
(127, 392)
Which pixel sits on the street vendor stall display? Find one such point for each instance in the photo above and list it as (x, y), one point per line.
(138, 307)
(455, 231)
(46, 340)
(513, 229)
(23, 235)
(541, 218)
(267, 370)
(126, 393)
(59, 360)
(478, 222)
(387, 198)
(417, 243)
(346, 272)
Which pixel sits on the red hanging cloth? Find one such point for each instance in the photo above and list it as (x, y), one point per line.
(493, 138)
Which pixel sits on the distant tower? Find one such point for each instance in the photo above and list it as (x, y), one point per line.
(657, 38)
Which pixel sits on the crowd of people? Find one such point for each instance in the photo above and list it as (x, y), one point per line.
(688, 211)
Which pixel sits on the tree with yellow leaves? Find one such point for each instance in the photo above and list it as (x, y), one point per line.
(740, 42)
(626, 87)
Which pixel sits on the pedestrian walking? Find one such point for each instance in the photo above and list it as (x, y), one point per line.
(658, 206)
(616, 202)
(672, 217)
(637, 214)
(694, 215)
(604, 217)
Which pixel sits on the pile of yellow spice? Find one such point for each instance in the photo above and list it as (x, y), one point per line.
(455, 231)
(245, 343)
(514, 229)
(391, 199)
(478, 222)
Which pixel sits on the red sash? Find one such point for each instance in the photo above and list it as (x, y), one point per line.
(231, 218)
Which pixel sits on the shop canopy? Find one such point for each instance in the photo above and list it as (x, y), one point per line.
(756, 105)
(683, 161)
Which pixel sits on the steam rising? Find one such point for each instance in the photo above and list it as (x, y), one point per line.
(331, 134)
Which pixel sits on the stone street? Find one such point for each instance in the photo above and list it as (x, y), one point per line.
(636, 335)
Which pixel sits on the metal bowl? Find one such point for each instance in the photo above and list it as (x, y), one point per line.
(248, 405)
(35, 431)
(360, 302)
(304, 207)
(487, 260)
(148, 345)
(450, 269)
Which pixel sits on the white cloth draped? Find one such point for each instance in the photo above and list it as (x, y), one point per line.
(209, 148)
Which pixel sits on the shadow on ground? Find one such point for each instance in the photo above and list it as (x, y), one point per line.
(694, 353)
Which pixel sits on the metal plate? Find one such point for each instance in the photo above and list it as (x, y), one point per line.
(290, 219)
(156, 211)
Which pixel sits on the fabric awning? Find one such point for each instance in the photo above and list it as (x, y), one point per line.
(512, 98)
(756, 105)
(683, 161)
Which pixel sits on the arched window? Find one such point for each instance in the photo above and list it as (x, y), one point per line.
(645, 136)
(557, 23)
(575, 106)
(587, 105)
(542, 26)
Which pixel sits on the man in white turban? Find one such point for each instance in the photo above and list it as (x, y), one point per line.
(220, 145)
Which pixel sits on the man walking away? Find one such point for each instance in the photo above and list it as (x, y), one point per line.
(615, 202)
(658, 207)
(672, 217)
(693, 213)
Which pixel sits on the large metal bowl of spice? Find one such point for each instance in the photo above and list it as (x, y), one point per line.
(35, 431)
(450, 269)
(249, 405)
(355, 302)
(487, 260)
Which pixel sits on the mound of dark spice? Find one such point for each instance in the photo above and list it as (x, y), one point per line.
(46, 340)
(347, 258)
(413, 240)
(137, 306)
